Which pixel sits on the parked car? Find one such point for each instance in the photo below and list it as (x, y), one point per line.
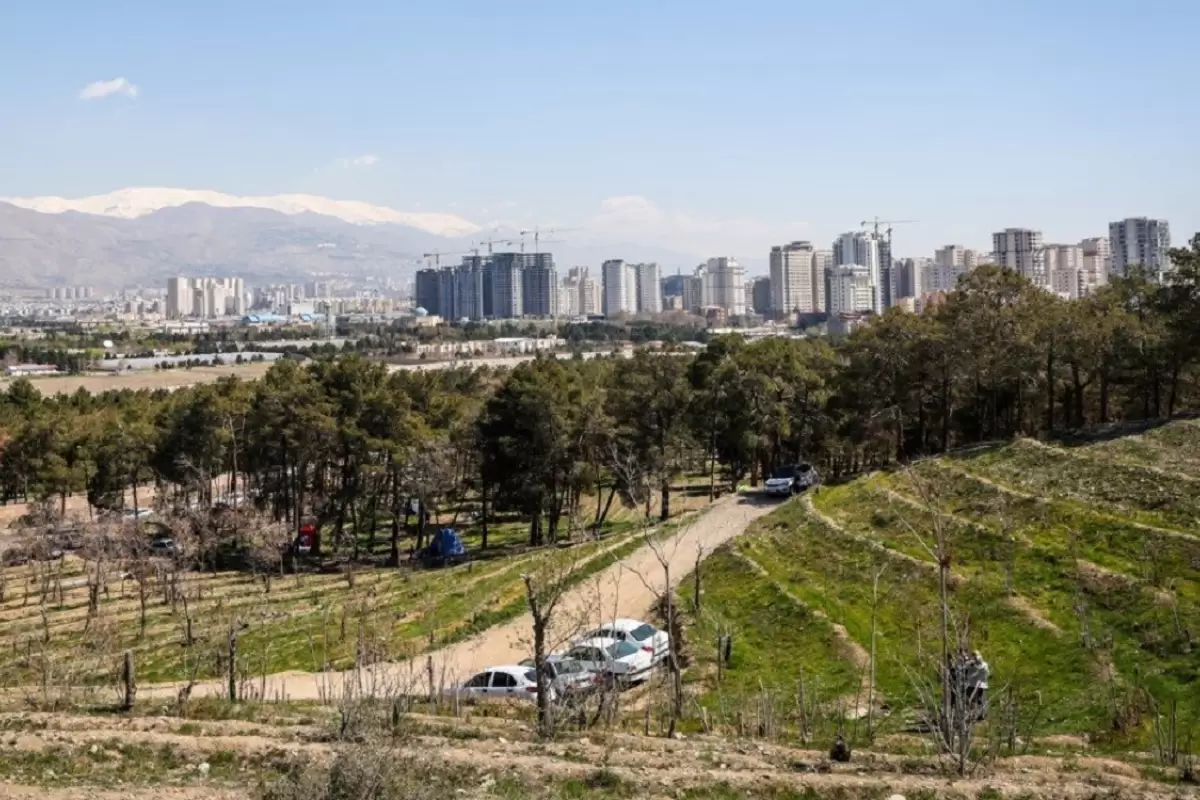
(567, 676)
(500, 683)
(164, 547)
(623, 661)
(791, 479)
(65, 539)
(655, 642)
(229, 500)
(14, 556)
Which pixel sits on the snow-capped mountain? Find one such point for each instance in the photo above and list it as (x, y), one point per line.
(135, 203)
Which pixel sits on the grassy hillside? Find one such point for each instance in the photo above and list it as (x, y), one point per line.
(1075, 570)
(298, 622)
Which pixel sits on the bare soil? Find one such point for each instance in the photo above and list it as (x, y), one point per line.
(169, 379)
(490, 748)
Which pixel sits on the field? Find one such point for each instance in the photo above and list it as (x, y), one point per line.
(356, 615)
(1076, 571)
(143, 379)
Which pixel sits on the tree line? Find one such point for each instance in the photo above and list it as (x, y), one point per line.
(356, 448)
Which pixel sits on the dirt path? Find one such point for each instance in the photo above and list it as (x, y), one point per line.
(626, 589)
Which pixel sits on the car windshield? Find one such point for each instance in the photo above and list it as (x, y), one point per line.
(784, 472)
(803, 468)
(585, 654)
(643, 632)
(531, 676)
(621, 649)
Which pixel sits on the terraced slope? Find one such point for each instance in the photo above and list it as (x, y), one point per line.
(1076, 571)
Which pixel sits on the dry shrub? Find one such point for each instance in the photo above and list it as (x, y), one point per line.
(377, 771)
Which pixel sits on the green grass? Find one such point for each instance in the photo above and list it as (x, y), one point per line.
(1084, 475)
(776, 641)
(1072, 599)
(305, 622)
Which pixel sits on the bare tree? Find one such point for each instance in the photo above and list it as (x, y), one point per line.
(630, 473)
(544, 592)
(949, 702)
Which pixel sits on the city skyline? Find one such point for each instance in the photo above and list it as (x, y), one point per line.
(126, 99)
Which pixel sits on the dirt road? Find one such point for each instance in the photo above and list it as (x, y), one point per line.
(626, 589)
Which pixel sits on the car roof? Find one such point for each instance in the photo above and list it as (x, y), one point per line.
(598, 641)
(509, 668)
(625, 624)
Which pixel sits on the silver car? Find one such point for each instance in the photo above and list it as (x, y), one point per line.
(568, 676)
(792, 479)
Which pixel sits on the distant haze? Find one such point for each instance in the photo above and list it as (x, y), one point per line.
(135, 203)
(143, 236)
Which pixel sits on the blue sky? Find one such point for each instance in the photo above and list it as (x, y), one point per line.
(710, 127)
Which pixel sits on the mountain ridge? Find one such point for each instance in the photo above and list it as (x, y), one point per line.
(135, 203)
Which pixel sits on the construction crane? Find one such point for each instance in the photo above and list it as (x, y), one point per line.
(436, 255)
(876, 222)
(490, 242)
(537, 236)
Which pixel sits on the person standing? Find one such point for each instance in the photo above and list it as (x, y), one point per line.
(977, 674)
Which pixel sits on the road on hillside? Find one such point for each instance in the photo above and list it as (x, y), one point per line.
(628, 588)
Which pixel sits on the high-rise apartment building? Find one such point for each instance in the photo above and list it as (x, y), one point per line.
(887, 274)
(851, 290)
(539, 285)
(1020, 249)
(672, 285)
(1140, 241)
(723, 285)
(915, 277)
(794, 279)
(618, 287)
(1097, 264)
(693, 293)
(760, 296)
(570, 293)
(1064, 265)
(822, 268)
(179, 298)
(861, 249)
(205, 297)
(448, 294)
(472, 299)
(647, 288)
(507, 285)
(949, 264)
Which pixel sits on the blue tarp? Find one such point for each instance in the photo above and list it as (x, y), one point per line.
(447, 544)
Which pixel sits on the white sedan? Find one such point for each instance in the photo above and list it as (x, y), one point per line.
(642, 634)
(499, 683)
(625, 661)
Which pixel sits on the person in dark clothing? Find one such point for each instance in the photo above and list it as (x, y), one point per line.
(840, 752)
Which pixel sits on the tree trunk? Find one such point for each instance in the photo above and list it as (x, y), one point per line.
(665, 510)
(483, 514)
(1050, 388)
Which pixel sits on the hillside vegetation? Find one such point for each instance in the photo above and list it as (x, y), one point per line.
(1075, 570)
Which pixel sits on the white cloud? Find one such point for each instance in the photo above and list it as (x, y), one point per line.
(99, 89)
(357, 162)
(637, 217)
